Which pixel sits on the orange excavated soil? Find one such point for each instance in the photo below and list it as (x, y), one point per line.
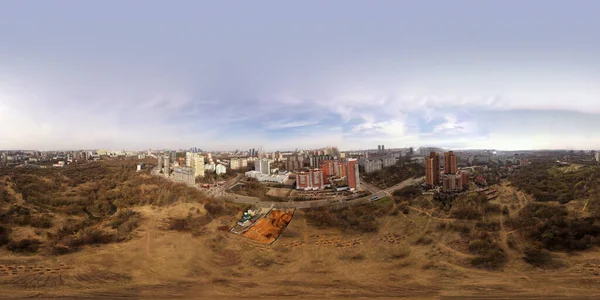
(267, 230)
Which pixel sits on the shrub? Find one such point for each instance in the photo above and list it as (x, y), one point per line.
(91, 236)
(492, 259)
(461, 227)
(488, 225)
(466, 213)
(537, 256)
(178, 224)
(4, 232)
(424, 240)
(214, 209)
(505, 210)
(24, 246)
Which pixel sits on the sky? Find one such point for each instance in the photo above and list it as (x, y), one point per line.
(226, 75)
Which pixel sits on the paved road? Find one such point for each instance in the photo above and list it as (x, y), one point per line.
(320, 203)
(222, 191)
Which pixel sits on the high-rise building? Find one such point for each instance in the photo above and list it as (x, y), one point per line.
(436, 167)
(263, 166)
(198, 164)
(432, 169)
(352, 175)
(449, 183)
(303, 181)
(597, 156)
(458, 182)
(465, 179)
(429, 171)
(189, 159)
(378, 147)
(450, 163)
(173, 156)
(4, 158)
(316, 178)
(160, 163)
(167, 166)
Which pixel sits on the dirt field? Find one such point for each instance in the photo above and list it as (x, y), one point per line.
(267, 230)
(307, 261)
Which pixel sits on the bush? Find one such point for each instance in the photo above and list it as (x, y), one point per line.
(4, 232)
(552, 226)
(505, 211)
(492, 259)
(488, 225)
(358, 219)
(461, 227)
(24, 246)
(466, 213)
(91, 236)
(214, 209)
(536, 256)
(178, 224)
(424, 240)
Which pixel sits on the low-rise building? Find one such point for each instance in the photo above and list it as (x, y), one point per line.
(220, 169)
(279, 179)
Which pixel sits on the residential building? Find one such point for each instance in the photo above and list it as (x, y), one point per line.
(184, 175)
(524, 161)
(167, 165)
(263, 166)
(449, 183)
(292, 165)
(198, 164)
(234, 163)
(458, 182)
(316, 178)
(4, 158)
(220, 169)
(303, 181)
(450, 163)
(465, 179)
(429, 172)
(244, 163)
(352, 175)
(173, 156)
(372, 165)
(388, 161)
(597, 156)
(189, 159)
(432, 169)
(160, 163)
(210, 167)
(327, 168)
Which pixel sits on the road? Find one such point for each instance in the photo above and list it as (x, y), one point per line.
(328, 202)
(222, 191)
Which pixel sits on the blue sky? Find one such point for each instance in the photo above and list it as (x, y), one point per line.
(283, 75)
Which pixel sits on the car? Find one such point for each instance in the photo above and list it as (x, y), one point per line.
(374, 198)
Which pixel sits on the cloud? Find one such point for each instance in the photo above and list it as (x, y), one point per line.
(265, 78)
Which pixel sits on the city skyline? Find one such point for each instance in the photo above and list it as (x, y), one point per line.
(462, 75)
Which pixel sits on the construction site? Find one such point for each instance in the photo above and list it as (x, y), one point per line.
(263, 225)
